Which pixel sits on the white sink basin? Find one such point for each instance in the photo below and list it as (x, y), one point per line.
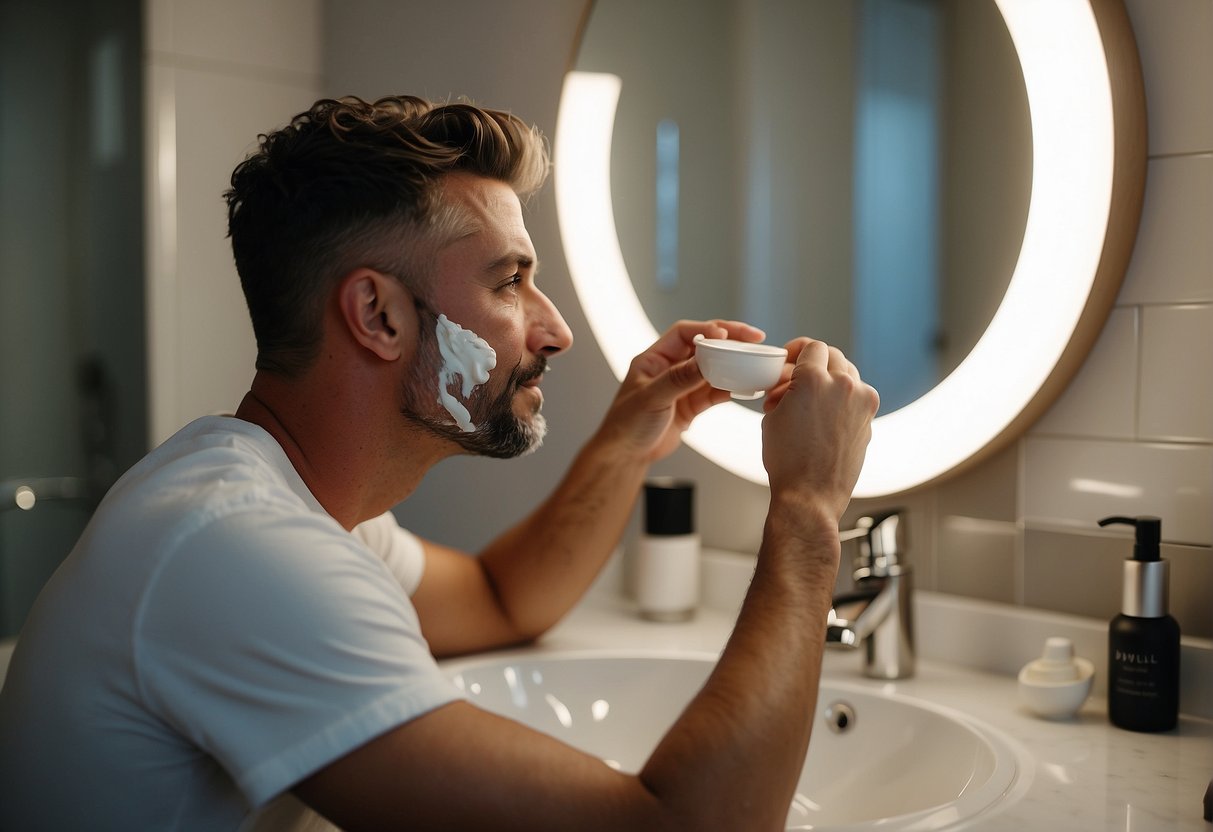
(899, 764)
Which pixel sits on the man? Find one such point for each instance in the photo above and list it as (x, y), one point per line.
(243, 623)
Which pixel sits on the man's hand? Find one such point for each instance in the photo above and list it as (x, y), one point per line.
(817, 426)
(664, 391)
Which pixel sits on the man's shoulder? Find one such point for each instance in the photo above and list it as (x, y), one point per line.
(212, 463)
(213, 487)
(216, 446)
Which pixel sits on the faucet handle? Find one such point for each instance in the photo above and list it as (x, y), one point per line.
(882, 541)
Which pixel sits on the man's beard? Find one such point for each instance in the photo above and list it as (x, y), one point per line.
(499, 432)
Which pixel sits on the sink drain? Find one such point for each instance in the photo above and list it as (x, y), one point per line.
(840, 717)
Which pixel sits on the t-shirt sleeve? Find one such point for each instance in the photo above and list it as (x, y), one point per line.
(400, 549)
(280, 645)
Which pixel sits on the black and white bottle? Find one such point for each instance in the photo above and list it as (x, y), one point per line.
(667, 563)
(1143, 641)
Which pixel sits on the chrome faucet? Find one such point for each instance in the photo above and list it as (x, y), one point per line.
(877, 615)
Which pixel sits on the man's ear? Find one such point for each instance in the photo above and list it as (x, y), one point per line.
(378, 311)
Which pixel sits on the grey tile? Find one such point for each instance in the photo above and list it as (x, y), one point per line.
(1073, 573)
(1177, 405)
(1191, 588)
(976, 558)
(1074, 482)
(1083, 575)
(1101, 400)
(986, 492)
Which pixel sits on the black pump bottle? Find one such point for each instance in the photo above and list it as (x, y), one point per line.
(1143, 641)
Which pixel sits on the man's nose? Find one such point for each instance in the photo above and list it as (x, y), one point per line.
(550, 334)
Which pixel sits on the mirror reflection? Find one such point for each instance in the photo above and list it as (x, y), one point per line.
(857, 171)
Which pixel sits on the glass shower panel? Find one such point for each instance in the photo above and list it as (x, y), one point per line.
(72, 347)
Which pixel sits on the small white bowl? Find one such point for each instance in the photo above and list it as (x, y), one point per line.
(744, 369)
(1056, 700)
(1055, 685)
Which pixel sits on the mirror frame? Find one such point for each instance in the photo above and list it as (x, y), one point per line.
(1087, 105)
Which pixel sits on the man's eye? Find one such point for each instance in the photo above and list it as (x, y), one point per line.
(512, 283)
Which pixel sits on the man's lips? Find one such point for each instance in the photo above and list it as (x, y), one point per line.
(533, 376)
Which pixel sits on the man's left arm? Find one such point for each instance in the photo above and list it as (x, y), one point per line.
(528, 578)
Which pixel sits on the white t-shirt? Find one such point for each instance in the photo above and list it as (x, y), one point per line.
(214, 638)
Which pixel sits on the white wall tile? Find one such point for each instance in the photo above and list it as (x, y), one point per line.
(216, 349)
(1101, 400)
(158, 24)
(1073, 483)
(218, 73)
(1173, 258)
(1177, 373)
(275, 34)
(1173, 39)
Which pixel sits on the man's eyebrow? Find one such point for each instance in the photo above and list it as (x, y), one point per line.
(515, 259)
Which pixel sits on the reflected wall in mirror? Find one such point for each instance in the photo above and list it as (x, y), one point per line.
(855, 171)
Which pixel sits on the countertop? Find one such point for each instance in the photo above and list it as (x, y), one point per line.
(1085, 774)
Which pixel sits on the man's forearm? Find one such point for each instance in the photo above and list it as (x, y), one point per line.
(540, 568)
(753, 717)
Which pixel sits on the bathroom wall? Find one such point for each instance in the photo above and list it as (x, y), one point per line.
(217, 73)
(1134, 433)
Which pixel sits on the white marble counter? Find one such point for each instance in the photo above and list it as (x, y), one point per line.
(1087, 775)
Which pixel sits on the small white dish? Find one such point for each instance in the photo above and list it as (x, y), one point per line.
(746, 370)
(1055, 685)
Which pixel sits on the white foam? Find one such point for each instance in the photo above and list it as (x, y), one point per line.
(468, 356)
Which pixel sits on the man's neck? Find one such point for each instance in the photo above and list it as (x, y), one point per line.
(352, 457)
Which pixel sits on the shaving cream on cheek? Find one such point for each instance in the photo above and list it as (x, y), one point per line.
(468, 356)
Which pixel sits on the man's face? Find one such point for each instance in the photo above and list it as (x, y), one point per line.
(484, 281)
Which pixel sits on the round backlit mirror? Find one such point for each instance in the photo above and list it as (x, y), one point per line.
(1082, 84)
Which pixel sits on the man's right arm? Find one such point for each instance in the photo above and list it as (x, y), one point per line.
(732, 759)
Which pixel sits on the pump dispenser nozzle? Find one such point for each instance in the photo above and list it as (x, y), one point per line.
(1149, 533)
(1146, 574)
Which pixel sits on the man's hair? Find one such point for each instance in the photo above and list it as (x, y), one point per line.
(349, 184)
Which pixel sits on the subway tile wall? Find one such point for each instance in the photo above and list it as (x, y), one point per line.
(1133, 433)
